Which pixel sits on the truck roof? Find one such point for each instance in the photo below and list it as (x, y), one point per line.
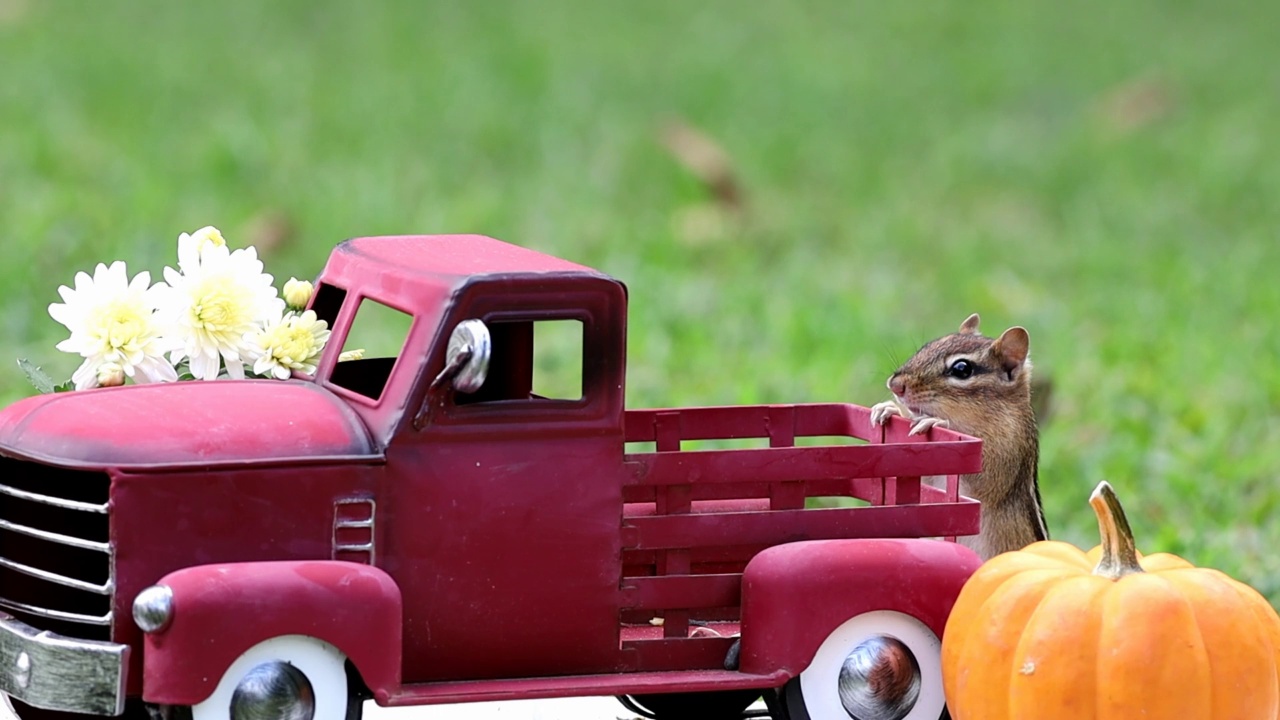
(418, 274)
(438, 257)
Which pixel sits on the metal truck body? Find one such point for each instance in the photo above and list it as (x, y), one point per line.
(432, 524)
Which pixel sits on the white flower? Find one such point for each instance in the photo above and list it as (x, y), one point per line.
(288, 343)
(213, 303)
(297, 293)
(114, 327)
(348, 356)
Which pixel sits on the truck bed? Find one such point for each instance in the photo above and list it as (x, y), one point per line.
(808, 472)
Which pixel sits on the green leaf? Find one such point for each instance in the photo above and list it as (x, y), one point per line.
(67, 386)
(40, 379)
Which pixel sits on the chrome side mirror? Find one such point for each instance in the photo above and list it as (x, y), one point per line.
(466, 365)
(467, 357)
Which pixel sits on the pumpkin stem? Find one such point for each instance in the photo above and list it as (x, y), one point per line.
(1119, 556)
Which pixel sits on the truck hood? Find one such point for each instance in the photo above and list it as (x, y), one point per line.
(183, 423)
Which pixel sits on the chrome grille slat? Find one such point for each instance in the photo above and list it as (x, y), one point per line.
(103, 589)
(55, 537)
(54, 501)
(57, 563)
(103, 621)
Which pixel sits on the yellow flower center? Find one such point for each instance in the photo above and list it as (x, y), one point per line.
(119, 324)
(220, 307)
(291, 344)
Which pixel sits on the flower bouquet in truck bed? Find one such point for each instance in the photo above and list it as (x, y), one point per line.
(217, 315)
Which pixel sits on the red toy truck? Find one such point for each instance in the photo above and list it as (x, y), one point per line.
(428, 526)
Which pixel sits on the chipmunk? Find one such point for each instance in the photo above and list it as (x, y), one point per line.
(980, 387)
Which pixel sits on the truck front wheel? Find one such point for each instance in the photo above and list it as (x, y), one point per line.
(881, 665)
(292, 677)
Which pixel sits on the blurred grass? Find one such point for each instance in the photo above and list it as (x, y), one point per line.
(1102, 174)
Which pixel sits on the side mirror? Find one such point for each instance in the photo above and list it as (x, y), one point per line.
(466, 364)
(467, 357)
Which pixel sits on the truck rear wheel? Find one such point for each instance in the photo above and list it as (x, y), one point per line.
(881, 665)
(292, 677)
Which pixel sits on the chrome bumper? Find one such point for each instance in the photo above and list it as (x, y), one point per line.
(61, 673)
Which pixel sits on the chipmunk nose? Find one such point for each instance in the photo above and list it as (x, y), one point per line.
(896, 385)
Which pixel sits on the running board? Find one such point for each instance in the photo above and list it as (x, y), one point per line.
(578, 686)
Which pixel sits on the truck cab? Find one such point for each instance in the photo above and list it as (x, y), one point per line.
(438, 520)
(502, 501)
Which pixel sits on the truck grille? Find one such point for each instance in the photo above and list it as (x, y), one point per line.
(55, 552)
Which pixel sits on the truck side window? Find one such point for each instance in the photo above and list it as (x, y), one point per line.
(532, 360)
(376, 338)
(557, 359)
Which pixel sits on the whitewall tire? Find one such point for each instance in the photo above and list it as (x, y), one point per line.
(322, 665)
(815, 694)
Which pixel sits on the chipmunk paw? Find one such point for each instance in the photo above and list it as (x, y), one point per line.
(924, 424)
(881, 412)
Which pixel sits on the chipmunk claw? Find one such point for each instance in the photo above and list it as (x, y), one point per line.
(881, 412)
(924, 424)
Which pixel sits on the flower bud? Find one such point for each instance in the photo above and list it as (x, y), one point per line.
(206, 237)
(110, 375)
(297, 293)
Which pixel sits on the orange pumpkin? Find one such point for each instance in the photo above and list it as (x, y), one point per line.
(1053, 632)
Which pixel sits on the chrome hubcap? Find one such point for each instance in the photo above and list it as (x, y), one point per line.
(880, 680)
(273, 691)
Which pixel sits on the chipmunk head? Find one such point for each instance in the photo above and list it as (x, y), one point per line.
(962, 376)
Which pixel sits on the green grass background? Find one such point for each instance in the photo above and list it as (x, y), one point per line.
(1105, 174)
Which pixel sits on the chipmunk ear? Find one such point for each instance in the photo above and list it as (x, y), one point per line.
(970, 325)
(1011, 350)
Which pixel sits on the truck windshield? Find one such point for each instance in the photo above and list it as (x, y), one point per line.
(374, 341)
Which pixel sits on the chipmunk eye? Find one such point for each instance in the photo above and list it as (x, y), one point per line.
(961, 370)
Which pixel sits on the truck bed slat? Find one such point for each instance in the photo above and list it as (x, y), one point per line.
(804, 463)
(771, 528)
(675, 653)
(682, 591)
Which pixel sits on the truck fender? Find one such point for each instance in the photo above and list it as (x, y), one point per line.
(221, 611)
(796, 595)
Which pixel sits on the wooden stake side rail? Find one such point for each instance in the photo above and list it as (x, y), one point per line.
(684, 506)
(890, 452)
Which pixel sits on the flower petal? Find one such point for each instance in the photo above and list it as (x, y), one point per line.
(86, 376)
(204, 367)
(235, 369)
(154, 370)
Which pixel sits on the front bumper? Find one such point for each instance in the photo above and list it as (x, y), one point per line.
(56, 672)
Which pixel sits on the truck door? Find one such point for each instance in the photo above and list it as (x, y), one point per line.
(508, 499)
